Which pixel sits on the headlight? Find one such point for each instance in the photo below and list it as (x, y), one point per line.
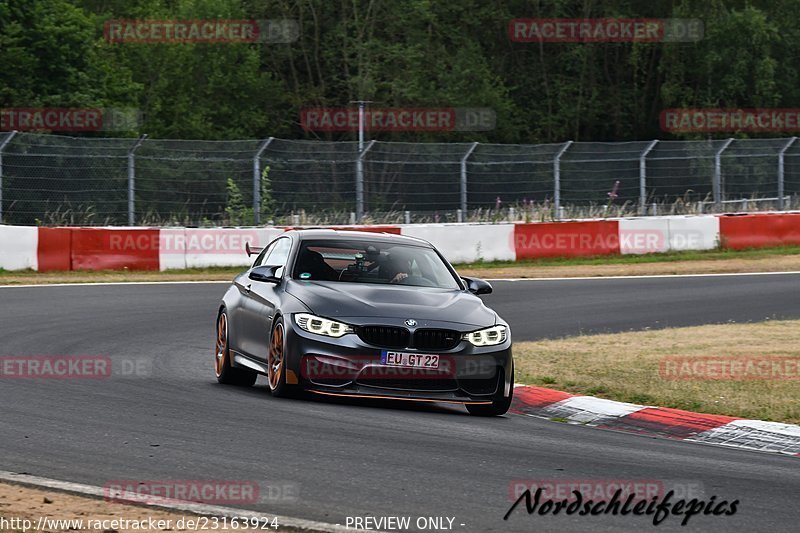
(488, 336)
(321, 326)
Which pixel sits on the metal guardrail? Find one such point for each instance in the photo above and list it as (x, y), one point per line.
(56, 179)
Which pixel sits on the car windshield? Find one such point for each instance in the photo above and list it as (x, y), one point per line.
(355, 261)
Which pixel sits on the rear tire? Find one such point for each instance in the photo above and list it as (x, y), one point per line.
(227, 373)
(499, 406)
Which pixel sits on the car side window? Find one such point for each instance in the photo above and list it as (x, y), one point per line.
(280, 253)
(264, 253)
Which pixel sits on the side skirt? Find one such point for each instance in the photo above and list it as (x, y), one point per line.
(242, 360)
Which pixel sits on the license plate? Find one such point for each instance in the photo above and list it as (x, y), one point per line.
(413, 360)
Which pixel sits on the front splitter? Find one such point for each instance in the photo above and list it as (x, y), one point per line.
(400, 398)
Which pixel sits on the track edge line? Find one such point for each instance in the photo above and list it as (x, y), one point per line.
(285, 523)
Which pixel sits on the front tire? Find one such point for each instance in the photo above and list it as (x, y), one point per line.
(499, 406)
(276, 361)
(225, 372)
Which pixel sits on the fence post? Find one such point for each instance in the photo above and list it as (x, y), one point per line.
(643, 177)
(360, 182)
(3, 147)
(132, 180)
(463, 195)
(557, 180)
(716, 185)
(257, 181)
(780, 172)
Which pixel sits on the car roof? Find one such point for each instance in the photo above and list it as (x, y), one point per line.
(327, 234)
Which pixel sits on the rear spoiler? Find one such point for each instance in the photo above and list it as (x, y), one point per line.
(252, 250)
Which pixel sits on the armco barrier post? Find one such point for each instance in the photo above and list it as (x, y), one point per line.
(132, 180)
(360, 182)
(463, 191)
(362, 106)
(557, 181)
(780, 172)
(716, 185)
(643, 178)
(257, 181)
(3, 147)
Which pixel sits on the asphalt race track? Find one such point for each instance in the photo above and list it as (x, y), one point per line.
(547, 309)
(172, 421)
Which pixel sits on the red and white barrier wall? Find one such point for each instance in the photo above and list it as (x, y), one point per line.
(114, 248)
(461, 243)
(18, 245)
(760, 231)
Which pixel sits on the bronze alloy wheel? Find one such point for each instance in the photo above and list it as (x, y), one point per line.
(275, 358)
(221, 348)
(223, 367)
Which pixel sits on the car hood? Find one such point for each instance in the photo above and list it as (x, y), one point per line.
(370, 301)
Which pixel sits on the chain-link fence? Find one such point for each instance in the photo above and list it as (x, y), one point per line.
(51, 179)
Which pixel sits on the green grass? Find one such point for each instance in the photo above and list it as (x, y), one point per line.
(665, 257)
(626, 367)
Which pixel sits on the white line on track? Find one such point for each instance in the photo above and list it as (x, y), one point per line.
(651, 276)
(581, 278)
(110, 283)
(162, 503)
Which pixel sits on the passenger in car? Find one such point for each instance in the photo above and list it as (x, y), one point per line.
(313, 263)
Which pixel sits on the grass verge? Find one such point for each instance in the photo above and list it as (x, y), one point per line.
(625, 367)
(778, 259)
(709, 262)
(30, 277)
(690, 255)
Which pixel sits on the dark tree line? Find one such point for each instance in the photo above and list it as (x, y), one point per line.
(401, 53)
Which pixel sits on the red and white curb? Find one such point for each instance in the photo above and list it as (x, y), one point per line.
(657, 421)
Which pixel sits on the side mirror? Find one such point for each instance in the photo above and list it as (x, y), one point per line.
(268, 274)
(478, 286)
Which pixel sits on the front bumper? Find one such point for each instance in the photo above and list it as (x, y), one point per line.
(348, 366)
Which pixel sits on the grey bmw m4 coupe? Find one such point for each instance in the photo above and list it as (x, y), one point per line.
(359, 314)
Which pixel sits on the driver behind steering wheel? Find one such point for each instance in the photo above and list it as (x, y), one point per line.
(396, 268)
